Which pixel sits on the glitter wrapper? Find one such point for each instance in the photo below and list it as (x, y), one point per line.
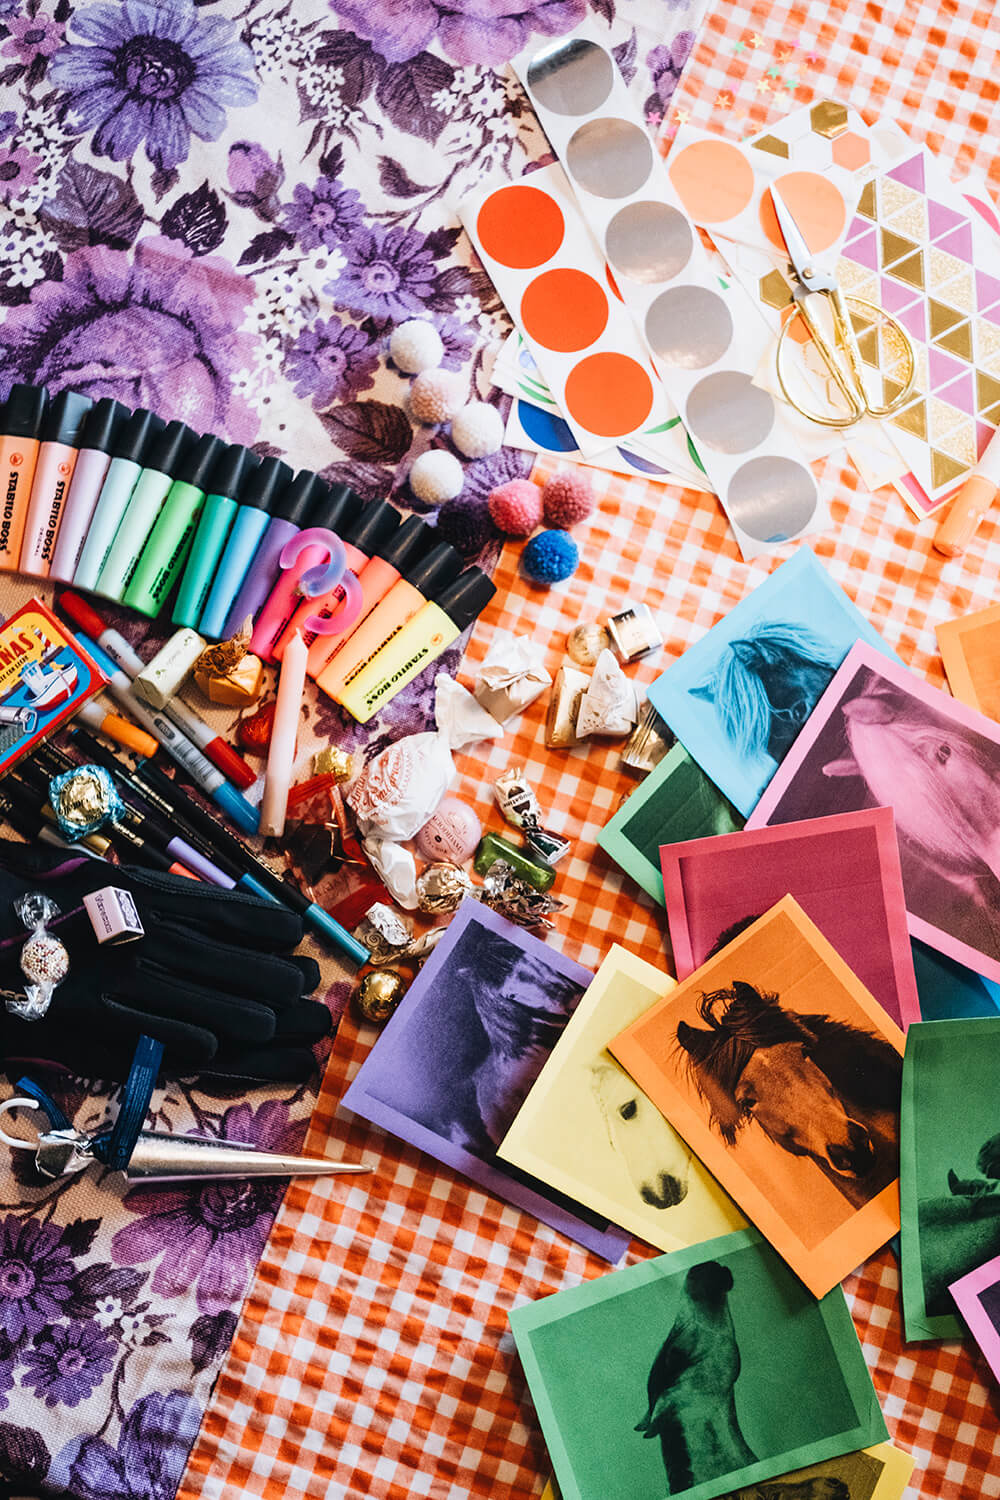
(83, 800)
(227, 672)
(332, 761)
(609, 704)
(441, 887)
(515, 899)
(519, 805)
(384, 934)
(564, 705)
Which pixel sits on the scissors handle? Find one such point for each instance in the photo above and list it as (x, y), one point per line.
(849, 381)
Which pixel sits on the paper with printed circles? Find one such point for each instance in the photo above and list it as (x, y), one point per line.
(704, 338)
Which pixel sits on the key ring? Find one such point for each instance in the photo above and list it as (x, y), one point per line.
(17, 1142)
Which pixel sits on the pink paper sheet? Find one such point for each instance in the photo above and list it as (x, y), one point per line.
(977, 1296)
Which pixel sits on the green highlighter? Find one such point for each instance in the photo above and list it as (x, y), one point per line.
(169, 542)
(214, 524)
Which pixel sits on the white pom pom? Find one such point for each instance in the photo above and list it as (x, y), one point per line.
(477, 430)
(416, 345)
(436, 476)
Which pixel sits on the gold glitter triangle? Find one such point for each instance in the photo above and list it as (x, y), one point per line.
(912, 419)
(866, 203)
(987, 391)
(987, 339)
(894, 247)
(911, 220)
(944, 418)
(868, 347)
(945, 469)
(959, 291)
(941, 318)
(943, 267)
(895, 196)
(961, 444)
(958, 341)
(911, 271)
(771, 144)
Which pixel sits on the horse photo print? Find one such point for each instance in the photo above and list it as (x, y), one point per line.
(782, 1073)
(881, 736)
(878, 1473)
(589, 1131)
(694, 1373)
(738, 698)
(456, 1061)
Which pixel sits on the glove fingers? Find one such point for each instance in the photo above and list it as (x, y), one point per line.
(206, 963)
(309, 969)
(308, 1021)
(185, 1043)
(228, 916)
(159, 998)
(268, 1065)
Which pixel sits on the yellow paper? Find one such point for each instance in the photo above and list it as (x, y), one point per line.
(886, 1468)
(588, 1131)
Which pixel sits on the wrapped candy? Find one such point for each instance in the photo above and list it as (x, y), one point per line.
(384, 934)
(396, 868)
(333, 761)
(564, 707)
(505, 892)
(649, 741)
(228, 673)
(378, 995)
(511, 676)
(83, 800)
(609, 705)
(459, 717)
(519, 805)
(586, 642)
(44, 960)
(400, 789)
(441, 887)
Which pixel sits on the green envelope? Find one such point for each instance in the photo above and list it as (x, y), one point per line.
(676, 801)
(694, 1373)
(949, 1197)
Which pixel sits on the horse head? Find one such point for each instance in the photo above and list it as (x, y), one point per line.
(766, 685)
(988, 1160)
(655, 1157)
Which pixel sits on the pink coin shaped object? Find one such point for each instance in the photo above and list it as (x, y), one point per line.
(453, 832)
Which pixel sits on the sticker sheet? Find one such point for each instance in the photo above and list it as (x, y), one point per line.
(737, 698)
(881, 735)
(782, 1073)
(705, 340)
(588, 1131)
(949, 1167)
(844, 873)
(970, 650)
(693, 1374)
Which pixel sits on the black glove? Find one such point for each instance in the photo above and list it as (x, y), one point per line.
(213, 977)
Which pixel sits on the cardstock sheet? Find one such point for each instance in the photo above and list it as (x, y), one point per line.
(737, 698)
(881, 735)
(457, 1059)
(950, 991)
(676, 801)
(742, 1055)
(970, 650)
(588, 1131)
(705, 339)
(716, 1352)
(977, 1297)
(949, 1167)
(878, 1473)
(844, 873)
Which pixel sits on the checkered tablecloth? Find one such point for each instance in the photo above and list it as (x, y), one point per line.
(373, 1355)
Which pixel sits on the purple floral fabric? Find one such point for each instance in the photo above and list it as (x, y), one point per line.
(220, 209)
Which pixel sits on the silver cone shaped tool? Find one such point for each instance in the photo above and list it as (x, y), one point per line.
(186, 1158)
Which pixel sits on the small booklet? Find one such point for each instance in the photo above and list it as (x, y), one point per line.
(45, 676)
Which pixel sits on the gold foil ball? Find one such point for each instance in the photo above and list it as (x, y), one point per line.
(332, 761)
(378, 995)
(441, 888)
(586, 642)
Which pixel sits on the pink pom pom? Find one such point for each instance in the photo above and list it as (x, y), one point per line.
(567, 498)
(435, 396)
(516, 507)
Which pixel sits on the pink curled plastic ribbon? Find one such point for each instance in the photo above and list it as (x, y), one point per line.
(321, 577)
(346, 612)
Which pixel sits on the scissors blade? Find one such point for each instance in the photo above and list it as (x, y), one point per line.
(811, 276)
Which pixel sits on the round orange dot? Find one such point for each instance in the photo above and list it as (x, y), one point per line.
(609, 394)
(814, 203)
(714, 180)
(564, 309)
(520, 226)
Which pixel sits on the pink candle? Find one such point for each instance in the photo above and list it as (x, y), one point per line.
(281, 755)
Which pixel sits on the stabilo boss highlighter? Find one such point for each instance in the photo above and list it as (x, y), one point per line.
(57, 454)
(165, 456)
(101, 427)
(264, 485)
(166, 548)
(420, 642)
(419, 582)
(296, 509)
(284, 599)
(128, 454)
(214, 524)
(20, 423)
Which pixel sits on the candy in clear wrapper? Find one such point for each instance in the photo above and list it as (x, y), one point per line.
(378, 995)
(384, 934)
(44, 960)
(519, 805)
(505, 892)
(441, 887)
(83, 800)
(609, 705)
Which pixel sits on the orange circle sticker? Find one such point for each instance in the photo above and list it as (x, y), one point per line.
(564, 309)
(609, 394)
(816, 205)
(714, 180)
(520, 226)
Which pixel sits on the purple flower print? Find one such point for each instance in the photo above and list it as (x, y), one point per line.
(255, 178)
(149, 1458)
(331, 360)
(666, 64)
(18, 169)
(210, 1237)
(23, 1455)
(469, 31)
(390, 274)
(67, 1364)
(30, 37)
(153, 71)
(155, 330)
(323, 215)
(35, 1276)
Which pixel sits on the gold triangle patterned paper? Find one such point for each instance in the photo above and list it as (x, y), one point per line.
(911, 220)
(894, 247)
(961, 444)
(912, 419)
(941, 318)
(942, 418)
(860, 320)
(991, 365)
(959, 291)
(894, 196)
(987, 391)
(992, 416)
(771, 144)
(866, 203)
(945, 469)
(958, 341)
(910, 271)
(987, 339)
(856, 280)
(942, 267)
(891, 389)
(868, 347)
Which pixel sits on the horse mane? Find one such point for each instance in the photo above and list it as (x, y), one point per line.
(737, 686)
(862, 1067)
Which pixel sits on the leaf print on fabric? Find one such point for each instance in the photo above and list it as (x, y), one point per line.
(146, 1462)
(152, 73)
(407, 91)
(211, 1336)
(468, 31)
(91, 207)
(371, 431)
(23, 1454)
(198, 220)
(36, 1272)
(65, 1365)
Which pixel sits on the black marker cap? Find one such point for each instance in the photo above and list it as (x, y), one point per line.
(466, 597)
(374, 523)
(409, 541)
(23, 411)
(435, 570)
(265, 483)
(169, 447)
(136, 435)
(340, 505)
(199, 461)
(103, 424)
(300, 498)
(64, 418)
(230, 470)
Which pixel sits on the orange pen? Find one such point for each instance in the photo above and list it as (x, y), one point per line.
(20, 422)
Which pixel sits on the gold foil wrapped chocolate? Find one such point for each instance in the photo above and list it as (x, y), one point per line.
(332, 761)
(378, 995)
(228, 673)
(519, 805)
(564, 705)
(505, 892)
(586, 642)
(441, 887)
(384, 934)
(649, 741)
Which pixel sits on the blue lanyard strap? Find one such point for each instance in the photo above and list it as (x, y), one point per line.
(114, 1147)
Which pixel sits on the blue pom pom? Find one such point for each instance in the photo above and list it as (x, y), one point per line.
(550, 557)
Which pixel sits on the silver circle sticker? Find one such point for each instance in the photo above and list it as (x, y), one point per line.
(571, 78)
(649, 242)
(772, 498)
(727, 412)
(610, 158)
(689, 327)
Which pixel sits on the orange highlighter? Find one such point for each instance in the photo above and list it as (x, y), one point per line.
(57, 455)
(20, 423)
(971, 503)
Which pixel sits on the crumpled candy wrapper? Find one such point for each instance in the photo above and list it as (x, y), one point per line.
(399, 790)
(609, 705)
(459, 717)
(441, 888)
(511, 676)
(517, 801)
(505, 892)
(396, 868)
(229, 673)
(384, 934)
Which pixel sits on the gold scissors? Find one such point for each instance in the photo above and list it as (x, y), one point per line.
(842, 357)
